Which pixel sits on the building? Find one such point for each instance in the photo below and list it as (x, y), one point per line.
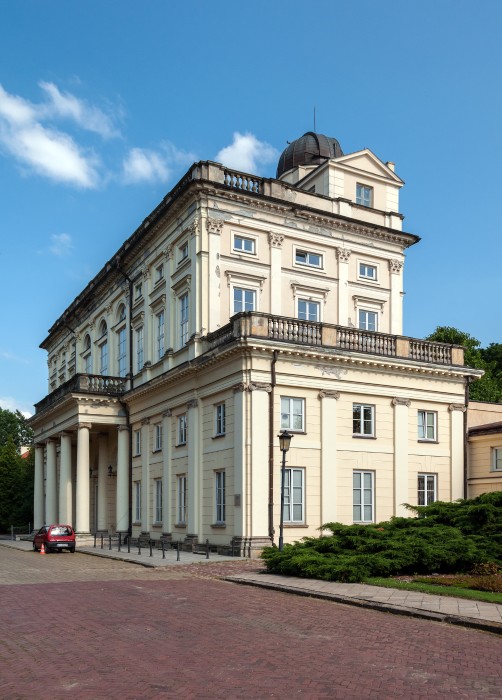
(240, 307)
(484, 422)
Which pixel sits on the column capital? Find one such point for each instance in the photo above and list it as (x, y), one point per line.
(145, 421)
(275, 240)
(343, 254)
(260, 386)
(398, 401)
(84, 425)
(214, 225)
(122, 427)
(396, 266)
(242, 386)
(193, 403)
(167, 413)
(457, 407)
(65, 433)
(327, 394)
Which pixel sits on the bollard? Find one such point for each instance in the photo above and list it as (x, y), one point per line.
(120, 540)
(139, 546)
(207, 549)
(163, 550)
(151, 551)
(178, 552)
(109, 542)
(94, 540)
(101, 541)
(128, 544)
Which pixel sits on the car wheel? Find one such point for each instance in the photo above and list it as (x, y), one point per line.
(72, 550)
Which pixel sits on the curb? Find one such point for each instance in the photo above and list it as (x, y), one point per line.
(481, 625)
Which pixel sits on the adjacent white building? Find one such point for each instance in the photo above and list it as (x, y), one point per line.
(240, 307)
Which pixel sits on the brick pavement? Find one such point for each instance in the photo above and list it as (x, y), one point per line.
(85, 627)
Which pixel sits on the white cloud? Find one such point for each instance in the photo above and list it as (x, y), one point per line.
(6, 355)
(10, 404)
(247, 153)
(61, 244)
(144, 165)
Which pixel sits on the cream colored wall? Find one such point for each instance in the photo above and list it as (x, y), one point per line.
(482, 479)
(482, 413)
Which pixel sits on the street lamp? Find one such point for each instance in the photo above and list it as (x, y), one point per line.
(284, 443)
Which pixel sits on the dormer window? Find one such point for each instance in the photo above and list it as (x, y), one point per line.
(364, 195)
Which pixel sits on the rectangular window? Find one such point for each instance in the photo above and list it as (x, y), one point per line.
(363, 496)
(292, 413)
(137, 501)
(182, 429)
(159, 272)
(497, 459)
(308, 310)
(305, 257)
(244, 245)
(160, 335)
(139, 349)
(294, 496)
(121, 360)
(138, 291)
(158, 438)
(427, 423)
(220, 427)
(137, 442)
(363, 419)
(183, 252)
(183, 319)
(103, 358)
(182, 500)
(158, 500)
(364, 195)
(427, 484)
(368, 320)
(367, 272)
(220, 497)
(88, 364)
(244, 299)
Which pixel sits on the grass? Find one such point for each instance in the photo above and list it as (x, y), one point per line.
(434, 589)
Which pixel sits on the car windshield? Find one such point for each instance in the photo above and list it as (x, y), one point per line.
(61, 530)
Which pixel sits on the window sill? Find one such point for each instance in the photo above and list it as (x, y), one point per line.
(159, 524)
(180, 525)
(218, 436)
(434, 442)
(289, 526)
(181, 444)
(218, 526)
(158, 449)
(364, 437)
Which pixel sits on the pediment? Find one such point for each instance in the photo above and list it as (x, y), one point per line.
(368, 162)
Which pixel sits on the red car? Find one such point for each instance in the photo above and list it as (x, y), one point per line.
(55, 538)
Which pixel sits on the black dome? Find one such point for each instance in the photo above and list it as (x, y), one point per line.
(309, 149)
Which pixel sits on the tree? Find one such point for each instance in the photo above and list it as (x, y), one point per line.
(16, 472)
(14, 425)
(489, 387)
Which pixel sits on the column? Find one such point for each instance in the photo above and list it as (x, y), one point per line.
(51, 515)
(82, 524)
(65, 485)
(343, 255)
(145, 476)
(240, 497)
(122, 495)
(258, 459)
(103, 461)
(401, 469)
(275, 241)
(38, 489)
(396, 297)
(457, 438)
(167, 466)
(328, 456)
(194, 469)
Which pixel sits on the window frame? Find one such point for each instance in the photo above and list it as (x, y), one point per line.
(241, 250)
(289, 504)
(158, 501)
(140, 348)
(288, 425)
(496, 459)
(367, 266)
(137, 443)
(160, 334)
(182, 430)
(308, 262)
(122, 352)
(159, 272)
(137, 501)
(220, 496)
(364, 195)
(183, 251)
(243, 301)
(157, 438)
(425, 425)
(181, 500)
(308, 303)
(220, 419)
(362, 433)
(425, 490)
(362, 488)
(184, 317)
(368, 312)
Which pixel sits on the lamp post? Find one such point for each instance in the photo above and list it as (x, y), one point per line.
(284, 443)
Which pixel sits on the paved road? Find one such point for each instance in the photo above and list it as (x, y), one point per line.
(75, 626)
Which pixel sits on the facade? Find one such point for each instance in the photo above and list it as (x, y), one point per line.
(240, 307)
(484, 422)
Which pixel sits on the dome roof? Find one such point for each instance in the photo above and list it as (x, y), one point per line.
(309, 149)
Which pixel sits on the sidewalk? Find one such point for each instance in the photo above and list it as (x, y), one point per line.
(457, 611)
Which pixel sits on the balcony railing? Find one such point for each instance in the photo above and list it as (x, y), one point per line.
(84, 384)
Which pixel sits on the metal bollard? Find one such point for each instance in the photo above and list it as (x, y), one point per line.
(139, 546)
(120, 540)
(109, 542)
(163, 550)
(151, 551)
(207, 549)
(94, 540)
(101, 541)
(128, 544)
(178, 551)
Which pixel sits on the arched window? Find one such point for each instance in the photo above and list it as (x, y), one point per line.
(103, 348)
(87, 355)
(121, 341)
(121, 313)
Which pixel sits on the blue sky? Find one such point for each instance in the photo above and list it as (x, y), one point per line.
(104, 105)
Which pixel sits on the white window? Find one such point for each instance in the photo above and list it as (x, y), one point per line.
(242, 244)
(137, 501)
(363, 419)
(497, 459)
(427, 489)
(367, 272)
(140, 348)
(220, 419)
(138, 290)
(427, 425)
(364, 195)
(182, 499)
(122, 353)
(158, 500)
(292, 413)
(305, 257)
(308, 310)
(183, 252)
(363, 497)
(160, 334)
(182, 429)
(294, 502)
(244, 299)
(158, 438)
(367, 320)
(183, 305)
(137, 442)
(159, 272)
(220, 496)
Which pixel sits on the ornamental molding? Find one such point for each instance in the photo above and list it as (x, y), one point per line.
(275, 240)
(193, 403)
(343, 254)
(260, 386)
(245, 278)
(398, 401)
(327, 394)
(242, 386)
(396, 266)
(214, 225)
(167, 413)
(314, 292)
(168, 252)
(84, 425)
(457, 407)
(146, 271)
(145, 421)
(122, 427)
(193, 229)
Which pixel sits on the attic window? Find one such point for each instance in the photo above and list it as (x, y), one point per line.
(364, 195)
